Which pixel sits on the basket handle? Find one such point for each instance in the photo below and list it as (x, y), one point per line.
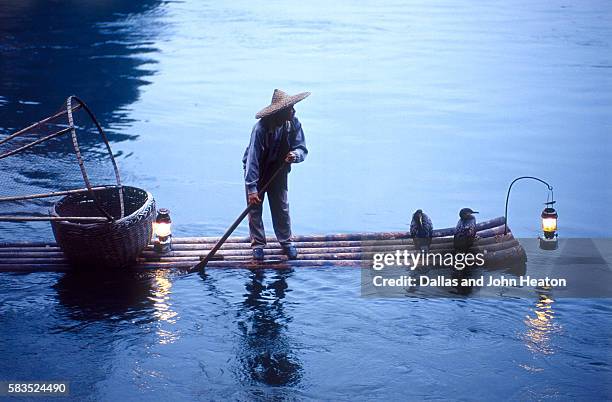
(77, 151)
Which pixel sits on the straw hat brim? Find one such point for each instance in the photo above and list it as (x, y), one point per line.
(282, 104)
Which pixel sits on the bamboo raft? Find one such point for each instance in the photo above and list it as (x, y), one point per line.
(350, 249)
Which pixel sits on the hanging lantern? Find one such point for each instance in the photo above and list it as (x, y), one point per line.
(549, 227)
(549, 215)
(162, 231)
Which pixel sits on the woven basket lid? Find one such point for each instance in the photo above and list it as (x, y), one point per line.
(280, 100)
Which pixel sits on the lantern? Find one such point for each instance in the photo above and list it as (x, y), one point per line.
(549, 227)
(162, 231)
(549, 215)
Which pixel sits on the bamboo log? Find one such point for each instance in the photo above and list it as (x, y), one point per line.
(331, 250)
(494, 238)
(273, 264)
(502, 257)
(30, 254)
(9, 257)
(329, 254)
(307, 241)
(318, 250)
(203, 247)
(32, 260)
(503, 241)
(27, 244)
(506, 255)
(36, 249)
(496, 222)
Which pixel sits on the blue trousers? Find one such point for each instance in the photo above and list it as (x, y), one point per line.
(279, 209)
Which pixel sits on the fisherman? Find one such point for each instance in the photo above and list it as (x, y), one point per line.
(465, 231)
(421, 230)
(277, 140)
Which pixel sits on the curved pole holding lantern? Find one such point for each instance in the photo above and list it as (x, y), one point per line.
(550, 188)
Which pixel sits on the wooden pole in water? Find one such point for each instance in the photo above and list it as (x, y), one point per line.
(200, 266)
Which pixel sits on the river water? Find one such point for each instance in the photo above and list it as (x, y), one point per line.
(435, 105)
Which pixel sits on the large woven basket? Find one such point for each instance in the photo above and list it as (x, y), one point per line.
(115, 244)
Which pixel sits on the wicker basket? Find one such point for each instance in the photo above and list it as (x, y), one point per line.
(114, 244)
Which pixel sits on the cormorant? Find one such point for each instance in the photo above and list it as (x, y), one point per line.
(465, 231)
(421, 230)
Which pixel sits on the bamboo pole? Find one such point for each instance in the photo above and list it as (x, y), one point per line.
(330, 255)
(305, 247)
(389, 237)
(240, 255)
(158, 265)
(335, 250)
(27, 254)
(201, 265)
(31, 144)
(489, 244)
(179, 244)
(51, 218)
(494, 224)
(311, 253)
(27, 244)
(31, 126)
(501, 257)
(482, 226)
(54, 194)
(8, 250)
(327, 250)
(348, 243)
(32, 260)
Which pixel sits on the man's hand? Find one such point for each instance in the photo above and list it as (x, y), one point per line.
(254, 199)
(291, 157)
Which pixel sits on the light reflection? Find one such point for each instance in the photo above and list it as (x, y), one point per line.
(160, 295)
(541, 325)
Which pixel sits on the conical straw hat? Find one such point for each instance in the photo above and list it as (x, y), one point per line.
(280, 100)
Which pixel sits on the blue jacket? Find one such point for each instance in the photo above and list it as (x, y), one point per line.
(269, 147)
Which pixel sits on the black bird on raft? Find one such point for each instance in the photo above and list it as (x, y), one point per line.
(465, 231)
(421, 230)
